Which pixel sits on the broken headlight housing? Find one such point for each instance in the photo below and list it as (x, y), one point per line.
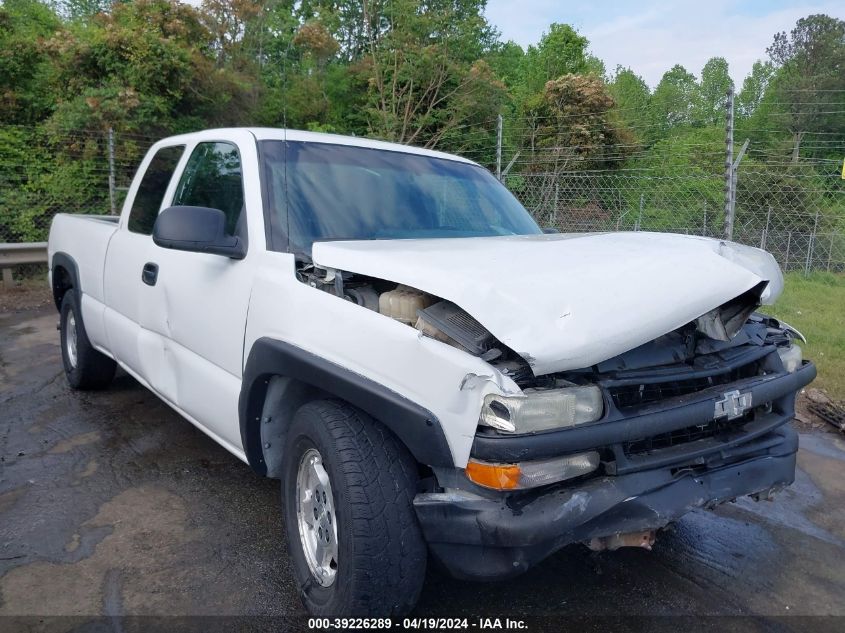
(542, 410)
(791, 356)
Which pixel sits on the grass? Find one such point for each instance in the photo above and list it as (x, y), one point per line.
(815, 305)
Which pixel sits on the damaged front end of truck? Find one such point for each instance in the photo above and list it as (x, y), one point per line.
(682, 422)
(608, 412)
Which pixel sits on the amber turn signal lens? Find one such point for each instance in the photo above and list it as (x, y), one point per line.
(496, 476)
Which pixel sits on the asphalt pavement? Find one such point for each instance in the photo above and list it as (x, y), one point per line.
(112, 505)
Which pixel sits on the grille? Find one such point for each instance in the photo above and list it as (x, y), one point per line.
(683, 436)
(636, 395)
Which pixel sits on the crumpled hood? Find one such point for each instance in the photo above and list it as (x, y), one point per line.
(568, 301)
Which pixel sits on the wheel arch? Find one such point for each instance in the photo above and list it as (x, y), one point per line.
(64, 277)
(280, 377)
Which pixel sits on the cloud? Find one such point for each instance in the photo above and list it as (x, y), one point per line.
(650, 37)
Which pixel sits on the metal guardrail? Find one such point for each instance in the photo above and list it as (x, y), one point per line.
(12, 255)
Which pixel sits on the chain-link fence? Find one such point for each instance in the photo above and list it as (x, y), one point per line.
(44, 172)
(799, 218)
(795, 211)
(800, 222)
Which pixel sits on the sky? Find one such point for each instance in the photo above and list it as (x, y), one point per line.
(651, 36)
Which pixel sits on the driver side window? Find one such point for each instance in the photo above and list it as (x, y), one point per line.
(213, 178)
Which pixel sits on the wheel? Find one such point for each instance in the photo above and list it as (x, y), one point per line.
(85, 367)
(347, 492)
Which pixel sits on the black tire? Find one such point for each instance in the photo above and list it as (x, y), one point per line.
(90, 369)
(381, 552)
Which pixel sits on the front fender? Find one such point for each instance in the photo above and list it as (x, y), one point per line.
(416, 427)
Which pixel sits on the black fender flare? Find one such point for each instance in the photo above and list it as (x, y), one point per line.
(416, 427)
(63, 260)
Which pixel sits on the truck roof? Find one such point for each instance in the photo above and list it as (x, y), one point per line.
(280, 134)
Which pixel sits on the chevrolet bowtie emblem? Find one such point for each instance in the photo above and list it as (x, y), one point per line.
(732, 405)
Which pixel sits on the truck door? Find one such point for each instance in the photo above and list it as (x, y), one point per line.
(201, 299)
(126, 279)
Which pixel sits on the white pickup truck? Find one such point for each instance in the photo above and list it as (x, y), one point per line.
(387, 331)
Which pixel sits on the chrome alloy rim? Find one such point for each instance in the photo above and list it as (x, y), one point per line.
(316, 517)
(70, 339)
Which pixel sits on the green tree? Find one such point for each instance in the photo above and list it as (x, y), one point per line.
(351, 22)
(633, 100)
(561, 51)
(304, 77)
(809, 85)
(82, 10)
(679, 182)
(26, 94)
(425, 71)
(147, 66)
(575, 126)
(673, 103)
(753, 89)
(758, 114)
(233, 26)
(712, 92)
(506, 61)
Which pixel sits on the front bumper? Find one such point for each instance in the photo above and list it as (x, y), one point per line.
(483, 539)
(497, 536)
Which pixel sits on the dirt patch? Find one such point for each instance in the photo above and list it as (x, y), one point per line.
(29, 294)
(90, 469)
(8, 498)
(73, 442)
(806, 420)
(135, 563)
(825, 471)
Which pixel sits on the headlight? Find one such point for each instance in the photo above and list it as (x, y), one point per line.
(542, 410)
(791, 357)
(531, 474)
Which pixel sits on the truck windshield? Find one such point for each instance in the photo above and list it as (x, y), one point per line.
(321, 191)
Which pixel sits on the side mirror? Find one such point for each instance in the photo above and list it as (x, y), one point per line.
(198, 230)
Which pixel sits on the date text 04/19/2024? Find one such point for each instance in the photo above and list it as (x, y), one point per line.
(424, 624)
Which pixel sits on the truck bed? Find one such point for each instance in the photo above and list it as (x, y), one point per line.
(85, 238)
